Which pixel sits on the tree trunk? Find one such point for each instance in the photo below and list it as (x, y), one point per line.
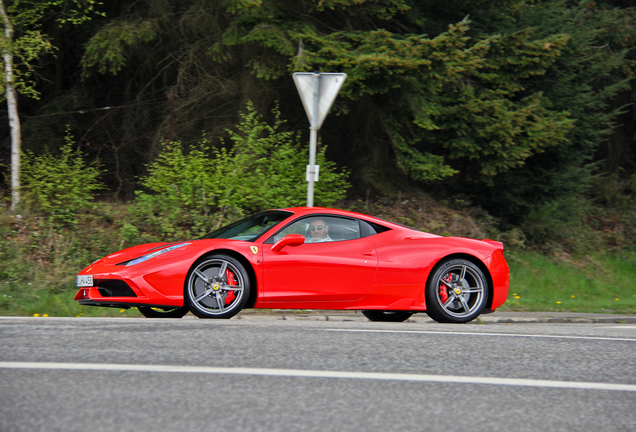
(12, 105)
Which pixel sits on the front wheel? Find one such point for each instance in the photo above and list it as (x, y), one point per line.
(151, 312)
(387, 316)
(217, 287)
(457, 292)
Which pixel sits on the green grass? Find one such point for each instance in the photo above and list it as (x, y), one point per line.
(601, 283)
(33, 299)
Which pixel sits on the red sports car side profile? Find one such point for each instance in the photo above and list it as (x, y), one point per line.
(305, 258)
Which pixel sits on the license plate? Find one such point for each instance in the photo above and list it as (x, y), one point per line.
(84, 281)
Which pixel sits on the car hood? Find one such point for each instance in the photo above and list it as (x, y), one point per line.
(134, 252)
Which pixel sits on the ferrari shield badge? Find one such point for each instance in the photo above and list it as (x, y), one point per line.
(254, 249)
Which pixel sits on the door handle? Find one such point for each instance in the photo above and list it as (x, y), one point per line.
(369, 253)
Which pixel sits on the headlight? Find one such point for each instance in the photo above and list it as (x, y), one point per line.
(155, 254)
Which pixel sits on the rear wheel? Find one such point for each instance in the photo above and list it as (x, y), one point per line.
(457, 292)
(217, 287)
(387, 316)
(151, 312)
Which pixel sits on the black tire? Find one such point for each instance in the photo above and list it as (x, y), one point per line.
(387, 316)
(151, 312)
(457, 292)
(217, 286)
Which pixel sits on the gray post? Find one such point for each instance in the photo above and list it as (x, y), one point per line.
(313, 138)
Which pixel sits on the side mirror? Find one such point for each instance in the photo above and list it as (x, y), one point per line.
(288, 240)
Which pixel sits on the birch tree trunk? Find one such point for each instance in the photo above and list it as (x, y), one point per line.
(12, 105)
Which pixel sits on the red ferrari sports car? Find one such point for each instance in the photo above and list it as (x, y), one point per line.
(305, 258)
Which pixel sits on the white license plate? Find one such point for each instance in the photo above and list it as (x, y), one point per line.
(84, 281)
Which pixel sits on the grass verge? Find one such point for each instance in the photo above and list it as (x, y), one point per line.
(599, 283)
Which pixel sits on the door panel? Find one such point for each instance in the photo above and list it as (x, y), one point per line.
(331, 271)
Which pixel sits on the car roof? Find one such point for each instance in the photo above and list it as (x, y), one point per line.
(307, 211)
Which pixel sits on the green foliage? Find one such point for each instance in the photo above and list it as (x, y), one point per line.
(582, 83)
(182, 191)
(381, 8)
(202, 188)
(106, 51)
(77, 12)
(27, 50)
(274, 33)
(266, 167)
(457, 104)
(59, 185)
(260, 25)
(33, 13)
(28, 44)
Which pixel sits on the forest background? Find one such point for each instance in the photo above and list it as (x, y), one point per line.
(156, 120)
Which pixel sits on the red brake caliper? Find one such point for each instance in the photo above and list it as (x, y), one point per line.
(443, 293)
(229, 276)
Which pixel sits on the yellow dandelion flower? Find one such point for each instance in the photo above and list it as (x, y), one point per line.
(616, 299)
(558, 302)
(573, 296)
(122, 310)
(45, 315)
(36, 315)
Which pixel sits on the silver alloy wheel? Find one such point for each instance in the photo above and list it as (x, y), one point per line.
(217, 288)
(461, 290)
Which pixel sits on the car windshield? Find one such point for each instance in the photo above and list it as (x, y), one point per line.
(250, 228)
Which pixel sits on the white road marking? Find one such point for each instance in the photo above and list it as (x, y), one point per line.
(320, 374)
(480, 334)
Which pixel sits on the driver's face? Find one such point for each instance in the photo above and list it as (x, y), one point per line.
(318, 229)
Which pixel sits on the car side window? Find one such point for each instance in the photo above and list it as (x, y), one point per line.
(321, 229)
(298, 227)
(367, 229)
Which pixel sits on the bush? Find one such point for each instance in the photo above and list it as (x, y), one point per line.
(613, 213)
(59, 185)
(39, 259)
(191, 191)
(604, 217)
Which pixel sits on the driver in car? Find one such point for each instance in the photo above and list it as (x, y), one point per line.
(318, 231)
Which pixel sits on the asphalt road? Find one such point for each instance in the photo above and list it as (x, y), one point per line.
(259, 374)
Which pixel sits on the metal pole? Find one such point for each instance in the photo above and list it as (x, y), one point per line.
(313, 138)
